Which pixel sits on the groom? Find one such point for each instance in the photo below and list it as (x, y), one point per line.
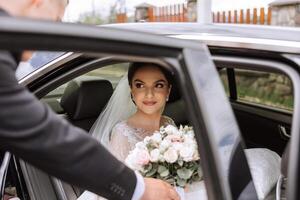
(51, 143)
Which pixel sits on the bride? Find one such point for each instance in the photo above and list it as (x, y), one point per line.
(135, 111)
(150, 87)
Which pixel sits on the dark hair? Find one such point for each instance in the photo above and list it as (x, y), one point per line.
(137, 65)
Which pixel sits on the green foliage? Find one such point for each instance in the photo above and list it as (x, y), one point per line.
(175, 174)
(269, 89)
(185, 173)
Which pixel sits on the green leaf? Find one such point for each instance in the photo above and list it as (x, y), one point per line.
(184, 173)
(171, 181)
(180, 162)
(180, 182)
(151, 172)
(161, 169)
(148, 167)
(195, 166)
(164, 173)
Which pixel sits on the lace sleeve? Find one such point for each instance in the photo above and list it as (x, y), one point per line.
(119, 144)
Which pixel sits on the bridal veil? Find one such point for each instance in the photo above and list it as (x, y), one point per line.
(118, 108)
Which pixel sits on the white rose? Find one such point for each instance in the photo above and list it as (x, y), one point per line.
(156, 137)
(187, 153)
(177, 146)
(154, 155)
(164, 145)
(171, 155)
(189, 141)
(170, 129)
(191, 132)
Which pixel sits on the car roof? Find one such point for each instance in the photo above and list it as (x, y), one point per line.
(229, 30)
(257, 37)
(269, 38)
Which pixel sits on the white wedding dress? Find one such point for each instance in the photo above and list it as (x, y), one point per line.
(123, 140)
(264, 164)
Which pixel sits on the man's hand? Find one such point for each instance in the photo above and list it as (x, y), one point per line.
(157, 189)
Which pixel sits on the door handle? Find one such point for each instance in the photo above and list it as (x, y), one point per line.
(282, 130)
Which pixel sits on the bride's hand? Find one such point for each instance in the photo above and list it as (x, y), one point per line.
(158, 189)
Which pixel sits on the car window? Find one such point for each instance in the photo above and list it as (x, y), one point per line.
(112, 73)
(264, 88)
(38, 59)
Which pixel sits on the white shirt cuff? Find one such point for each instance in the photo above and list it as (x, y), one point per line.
(139, 188)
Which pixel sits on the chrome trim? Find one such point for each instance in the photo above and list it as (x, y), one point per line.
(246, 43)
(294, 58)
(57, 184)
(27, 180)
(3, 168)
(49, 67)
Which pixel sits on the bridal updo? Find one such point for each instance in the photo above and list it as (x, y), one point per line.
(138, 65)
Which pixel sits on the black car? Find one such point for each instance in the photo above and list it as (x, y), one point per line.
(238, 86)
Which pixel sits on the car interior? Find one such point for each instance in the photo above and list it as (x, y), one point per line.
(80, 102)
(263, 125)
(82, 96)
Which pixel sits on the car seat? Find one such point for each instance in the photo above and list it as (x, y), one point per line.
(84, 99)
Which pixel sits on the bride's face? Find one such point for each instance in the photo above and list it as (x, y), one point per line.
(150, 89)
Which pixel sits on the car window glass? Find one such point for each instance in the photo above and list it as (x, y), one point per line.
(38, 59)
(112, 73)
(264, 88)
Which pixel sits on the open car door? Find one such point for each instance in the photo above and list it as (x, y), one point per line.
(226, 172)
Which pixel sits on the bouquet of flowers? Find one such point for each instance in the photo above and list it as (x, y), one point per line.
(170, 154)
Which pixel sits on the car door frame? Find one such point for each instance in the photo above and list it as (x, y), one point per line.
(290, 67)
(200, 84)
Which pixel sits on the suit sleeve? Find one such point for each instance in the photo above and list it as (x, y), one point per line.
(31, 131)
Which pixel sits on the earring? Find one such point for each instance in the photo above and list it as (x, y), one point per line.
(167, 99)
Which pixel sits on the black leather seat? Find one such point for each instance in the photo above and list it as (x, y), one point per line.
(83, 101)
(175, 107)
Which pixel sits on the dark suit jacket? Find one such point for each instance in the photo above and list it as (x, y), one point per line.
(30, 130)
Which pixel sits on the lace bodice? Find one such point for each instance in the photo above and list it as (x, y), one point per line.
(124, 137)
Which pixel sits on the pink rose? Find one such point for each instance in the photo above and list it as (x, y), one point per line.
(142, 157)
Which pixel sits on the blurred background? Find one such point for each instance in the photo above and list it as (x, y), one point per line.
(266, 12)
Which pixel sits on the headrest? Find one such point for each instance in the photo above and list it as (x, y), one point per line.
(84, 99)
(177, 111)
(175, 94)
